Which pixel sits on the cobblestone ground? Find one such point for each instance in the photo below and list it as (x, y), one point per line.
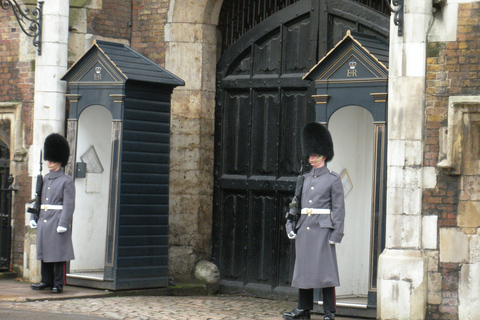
(165, 307)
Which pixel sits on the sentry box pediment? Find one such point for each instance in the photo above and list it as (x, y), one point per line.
(354, 72)
(107, 71)
(119, 134)
(98, 69)
(108, 62)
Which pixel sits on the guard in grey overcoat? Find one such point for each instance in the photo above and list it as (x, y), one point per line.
(54, 225)
(319, 227)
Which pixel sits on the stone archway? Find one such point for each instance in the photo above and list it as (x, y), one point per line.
(191, 42)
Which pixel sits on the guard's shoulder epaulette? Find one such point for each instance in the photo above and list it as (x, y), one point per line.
(333, 173)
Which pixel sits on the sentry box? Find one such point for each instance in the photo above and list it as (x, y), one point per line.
(119, 134)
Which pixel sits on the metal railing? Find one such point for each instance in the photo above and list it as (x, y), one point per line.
(237, 17)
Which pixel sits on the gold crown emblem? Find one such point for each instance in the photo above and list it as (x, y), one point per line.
(98, 69)
(352, 64)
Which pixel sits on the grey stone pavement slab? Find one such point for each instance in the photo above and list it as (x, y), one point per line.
(18, 301)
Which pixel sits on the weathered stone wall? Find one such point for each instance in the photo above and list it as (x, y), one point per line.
(191, 43)
(402, 269)
(452, 142)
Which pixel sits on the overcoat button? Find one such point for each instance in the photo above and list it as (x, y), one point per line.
(45, 221)
(308, 228)
(309, 201)
(312, 188)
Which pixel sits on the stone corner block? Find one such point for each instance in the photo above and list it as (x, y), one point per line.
(453, 246)
(429, 232)
(402, 285)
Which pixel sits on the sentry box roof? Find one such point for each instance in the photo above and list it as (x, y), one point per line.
(126, 64)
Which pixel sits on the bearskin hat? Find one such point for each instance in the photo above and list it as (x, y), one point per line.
(317, 139)
(56, 149)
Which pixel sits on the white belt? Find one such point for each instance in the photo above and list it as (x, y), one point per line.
(315, 211)
(51, 207)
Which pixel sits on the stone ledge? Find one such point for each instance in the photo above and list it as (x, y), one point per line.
(8, 275)
(191, 288)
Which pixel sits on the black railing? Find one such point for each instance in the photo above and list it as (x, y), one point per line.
(378, 5)
(237, 17)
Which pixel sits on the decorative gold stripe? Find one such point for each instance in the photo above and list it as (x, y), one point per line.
(73, 97)
(351, 81)
(117, 97)
(380, 97)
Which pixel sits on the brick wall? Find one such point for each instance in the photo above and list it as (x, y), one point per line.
(148, 34)
(452, 69)
(113, 20)
(17, 85)
(139, 21)
(9, 35)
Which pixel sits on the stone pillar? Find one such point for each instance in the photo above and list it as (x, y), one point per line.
(49, 108)
(49, 100)
(402, 273)
(191, 55)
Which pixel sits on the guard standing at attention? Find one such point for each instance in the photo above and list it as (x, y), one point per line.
(318, 227)
(54, 225)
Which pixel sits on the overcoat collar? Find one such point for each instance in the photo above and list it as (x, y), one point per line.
(319, 171)
(55, 174)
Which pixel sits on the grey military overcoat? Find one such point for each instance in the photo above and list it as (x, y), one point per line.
(316, 259)
(58, 189)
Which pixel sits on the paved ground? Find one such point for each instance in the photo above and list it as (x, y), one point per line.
(18, 301)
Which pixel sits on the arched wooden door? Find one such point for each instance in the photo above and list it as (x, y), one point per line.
(261, 105)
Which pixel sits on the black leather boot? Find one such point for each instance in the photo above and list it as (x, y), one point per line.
(57, 289)
(297, 314)
(40, 286)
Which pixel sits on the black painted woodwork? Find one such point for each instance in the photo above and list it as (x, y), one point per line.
(137, 92)
(262, 102)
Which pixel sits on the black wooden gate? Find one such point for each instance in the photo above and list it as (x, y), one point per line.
(262, 103)
(6, 181)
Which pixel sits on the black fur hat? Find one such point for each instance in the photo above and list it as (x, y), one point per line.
(56, 149)
(317, 139)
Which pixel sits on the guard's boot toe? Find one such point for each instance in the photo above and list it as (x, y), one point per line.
(329, 316)
(57, 289)
(297, 314)
(40, 286)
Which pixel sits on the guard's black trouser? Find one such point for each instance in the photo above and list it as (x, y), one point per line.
(53, 273)
(305, 299)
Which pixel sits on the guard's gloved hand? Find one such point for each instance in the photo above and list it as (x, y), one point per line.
(291, 235)
(61, 229)
(332, 242)
(33, 224)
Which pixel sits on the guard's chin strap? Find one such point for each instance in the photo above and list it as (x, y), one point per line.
(316, 160)
(54, 166)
